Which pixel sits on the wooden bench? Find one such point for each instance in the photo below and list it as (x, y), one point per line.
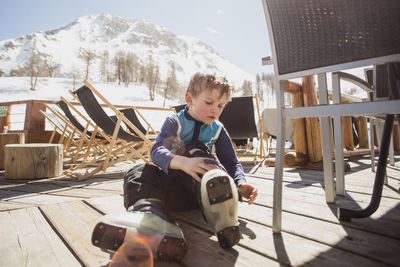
(29, 161)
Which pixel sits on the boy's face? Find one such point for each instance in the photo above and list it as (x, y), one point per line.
(207, 106)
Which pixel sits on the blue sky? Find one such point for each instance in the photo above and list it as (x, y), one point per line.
(236, 29)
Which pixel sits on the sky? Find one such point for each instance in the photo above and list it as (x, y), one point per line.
(236, 29)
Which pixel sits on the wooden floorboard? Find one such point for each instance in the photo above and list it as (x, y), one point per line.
(28, 240)
(59, 214)
(74, 221)
(200, 242)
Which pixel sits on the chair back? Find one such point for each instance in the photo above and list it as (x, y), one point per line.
(130, 114)
(64, 107)
(238, 118)
(99, 116)
(309, 34)
(179, 107)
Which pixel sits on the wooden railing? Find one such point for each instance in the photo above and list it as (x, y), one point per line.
(34, 124)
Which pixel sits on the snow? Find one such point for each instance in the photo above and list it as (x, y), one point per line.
(17, 88)
(98, 33)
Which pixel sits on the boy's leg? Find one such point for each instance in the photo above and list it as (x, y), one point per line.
(146, 218)
(219, 201)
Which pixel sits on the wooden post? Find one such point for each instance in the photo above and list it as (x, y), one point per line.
(299, 125)
(35, 122)
(28, 161)
(313, 128)
(396, 138)
(9, 138)
(362, 130)
(347, 130)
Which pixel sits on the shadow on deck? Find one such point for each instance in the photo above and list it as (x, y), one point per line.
(60, 215)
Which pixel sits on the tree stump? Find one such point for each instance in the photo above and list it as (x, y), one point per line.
(9, 138)
(30, 161)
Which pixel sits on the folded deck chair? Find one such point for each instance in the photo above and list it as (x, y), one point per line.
(92, 142)
(179, 107)
(66, 131)
(130, 114)
(64, 107)
(123, 145)
(238, 118)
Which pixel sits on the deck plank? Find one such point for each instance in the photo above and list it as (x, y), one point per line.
(203, 246)
(379, 248)
(360, 182)
(311, 202)
(286, 248)
(28, 240)
(36, 199)
(75, 222)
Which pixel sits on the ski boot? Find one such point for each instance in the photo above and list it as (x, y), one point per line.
(132, 253)
(145, 221)
(219, 200)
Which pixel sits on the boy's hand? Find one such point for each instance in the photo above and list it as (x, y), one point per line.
(192, 166)
(249, 192)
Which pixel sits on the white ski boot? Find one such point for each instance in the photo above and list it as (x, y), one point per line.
(155, 230)
(219, 199)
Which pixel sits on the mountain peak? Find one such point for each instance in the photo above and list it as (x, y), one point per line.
(100, 33)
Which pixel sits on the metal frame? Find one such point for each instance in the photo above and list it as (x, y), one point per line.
(325, 110)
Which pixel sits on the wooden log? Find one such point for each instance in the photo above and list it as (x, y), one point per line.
(9, 138)
(313, 128)
(347, 131)
(299, 125)
(396, 138)
(29, 161)
(290, 161)
(362, 130)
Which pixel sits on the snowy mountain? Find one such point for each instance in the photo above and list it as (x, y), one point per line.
(99, 33)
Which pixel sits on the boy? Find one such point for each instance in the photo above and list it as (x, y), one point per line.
(186, 176)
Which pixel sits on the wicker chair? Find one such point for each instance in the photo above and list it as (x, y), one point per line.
(311, 37)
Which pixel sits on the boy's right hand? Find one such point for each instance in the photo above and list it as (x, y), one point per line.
(192, 166)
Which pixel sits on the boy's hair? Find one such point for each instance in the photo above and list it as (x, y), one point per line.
(201, 81)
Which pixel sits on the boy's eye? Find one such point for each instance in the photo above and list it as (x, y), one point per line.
(221, 106)
(208, 103)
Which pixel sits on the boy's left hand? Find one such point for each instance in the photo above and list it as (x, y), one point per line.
(249, 192)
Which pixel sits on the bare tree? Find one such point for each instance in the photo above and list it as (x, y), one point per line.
(50, 68)
(87, 56)
(76, 75)
(260, 92)
(246, 88)
(171, 83)
(152, 77)
(104, 58)
(119, 63)
(131, 68)
(33, 68)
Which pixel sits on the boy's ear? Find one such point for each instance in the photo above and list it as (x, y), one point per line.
(188, 99)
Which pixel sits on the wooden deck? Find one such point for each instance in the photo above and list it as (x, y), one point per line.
(48, 222)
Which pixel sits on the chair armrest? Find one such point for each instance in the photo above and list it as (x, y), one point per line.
(355, 80)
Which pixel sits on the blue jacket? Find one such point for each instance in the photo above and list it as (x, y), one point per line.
(185, 126)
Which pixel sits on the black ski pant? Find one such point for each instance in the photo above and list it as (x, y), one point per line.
(177, 191)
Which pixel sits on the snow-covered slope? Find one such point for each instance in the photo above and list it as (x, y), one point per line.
(99, 33)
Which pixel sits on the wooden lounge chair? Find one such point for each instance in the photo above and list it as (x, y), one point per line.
(238, 118)
(92, 141)
(123, 145)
